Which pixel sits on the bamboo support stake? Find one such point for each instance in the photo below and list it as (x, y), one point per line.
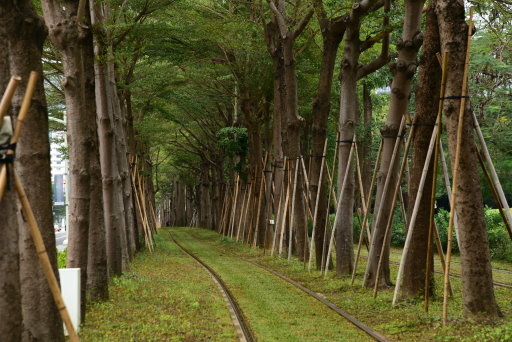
(279, 210)
(260, 200)
(306, 181)
(384, 193)
(441, 254)
(444, 72)
(235, 200)
(292, 215)
(331, 192)
(414, 215)
(456, 167)
(366, 214)
(392, 211)
(494, 193)
(361, 192)
(7, 97)
(448, 188)
(494, 176)
(285, 209)
(43, 258)
(248, 222)
(317, 201)
(244, 198)
(338, 208)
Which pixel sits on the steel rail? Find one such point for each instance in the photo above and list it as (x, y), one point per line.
(240, 318)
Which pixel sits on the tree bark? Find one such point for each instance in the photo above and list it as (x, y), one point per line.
(332, 35)
(426, 100)
(26, 33)
(477, 286)
(403, 71)
(10, 295)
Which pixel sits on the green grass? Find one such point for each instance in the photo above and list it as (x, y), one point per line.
(167, 296)
(408, 321)
(276, 310)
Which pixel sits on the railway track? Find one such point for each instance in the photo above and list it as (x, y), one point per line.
(239, 320)
(360, 325)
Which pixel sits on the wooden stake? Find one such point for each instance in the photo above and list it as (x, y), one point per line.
(233, 212)
(502, 202)
(331, 241)
(279, 209)
(456, 168)
(444, 72)
(331, 192)
(366, 214)
(384, 193)
(448, 188)
(43, 258)
(244, 198)
(393, 204)
(292, 215)
(285, 208)
(317, 201)
(7, 98)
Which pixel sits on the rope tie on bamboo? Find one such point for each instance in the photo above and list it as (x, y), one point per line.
(345, 141)
(454, 97)
(5, 156)
(422, 124)
(317, 156)
(392, 136)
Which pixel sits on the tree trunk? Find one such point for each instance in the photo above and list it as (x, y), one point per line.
(110, 175)
(26, 33)
(349, 113)
(477, 287)
(403, 71)
(10, 295)
(427, 92)
(366, 141)
(332, 35)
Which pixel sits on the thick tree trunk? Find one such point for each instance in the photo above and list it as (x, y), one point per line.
(349, 114)
(477, 287)
(427, 93)
(291, 134)
(403, 71)
(366, 141)
(10, 295)
(26, 33)
(332, 35)
(108, 162)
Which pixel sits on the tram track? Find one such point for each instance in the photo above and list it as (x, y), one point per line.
(239, 320)
(353, 320)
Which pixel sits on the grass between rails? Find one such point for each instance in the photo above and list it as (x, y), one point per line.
(166, 296)
(275, 310)
(408, 321)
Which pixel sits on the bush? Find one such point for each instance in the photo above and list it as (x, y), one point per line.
(62, 258)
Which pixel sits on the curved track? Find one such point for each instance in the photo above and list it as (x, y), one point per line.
(241, 322)
(360, 325)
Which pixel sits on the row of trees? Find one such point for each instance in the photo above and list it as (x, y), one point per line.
(111, 197)
(252, 67)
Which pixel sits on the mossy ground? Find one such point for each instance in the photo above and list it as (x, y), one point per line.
(166, 296)
(408, 321)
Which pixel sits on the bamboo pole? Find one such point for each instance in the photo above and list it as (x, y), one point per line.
(292, 214)
(502, 203)
(331, 186)
(43, 258)
(306, 181)
(494, 193)
(392, 211)
(384, 193)
(244, 198)
(248, 225)
(317, 201)
(414, 215)
(444, 72)
(285, 209)
(235, 200)
(448, 188)
(279, 210)
(7, 97)
(260, 200)
(366, 214)
(338, 208)
(441, 254)
(361, 192)
(456, 168)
